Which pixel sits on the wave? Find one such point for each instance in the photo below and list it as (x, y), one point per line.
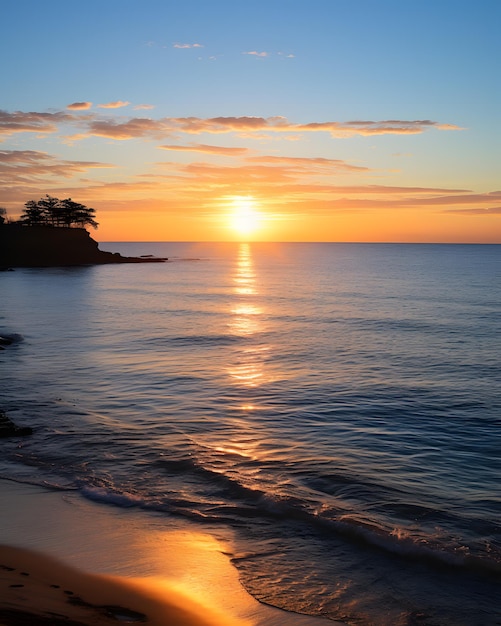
(246, 503)
(122, 500)
(227, 501)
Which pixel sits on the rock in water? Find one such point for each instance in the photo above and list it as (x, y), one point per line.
(9, 429)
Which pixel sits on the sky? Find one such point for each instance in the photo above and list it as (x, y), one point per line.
(276, 120)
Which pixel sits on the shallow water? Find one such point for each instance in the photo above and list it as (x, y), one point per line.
(336, 405)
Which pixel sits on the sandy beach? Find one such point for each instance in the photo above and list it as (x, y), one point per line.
(65, 560)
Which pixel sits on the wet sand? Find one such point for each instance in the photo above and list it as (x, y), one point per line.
(36, 589)
(65, 560)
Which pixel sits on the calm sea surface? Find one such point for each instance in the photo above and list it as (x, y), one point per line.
(337, 406)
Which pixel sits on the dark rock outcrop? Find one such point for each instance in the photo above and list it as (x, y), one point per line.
(7, 426)
(45, 246)
(8, 340)
(4, 341)
(9, 429)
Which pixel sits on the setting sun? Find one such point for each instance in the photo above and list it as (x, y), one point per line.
(245, 219)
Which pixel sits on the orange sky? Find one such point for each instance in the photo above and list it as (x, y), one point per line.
(199, 125)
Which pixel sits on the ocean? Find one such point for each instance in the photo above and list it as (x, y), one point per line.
(336, 407)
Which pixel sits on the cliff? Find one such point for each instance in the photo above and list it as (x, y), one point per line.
(45, 246)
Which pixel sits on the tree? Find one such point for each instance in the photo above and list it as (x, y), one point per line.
(34, 214)
(51, 208)
(51, 211)
(3, 213)
(76, 213)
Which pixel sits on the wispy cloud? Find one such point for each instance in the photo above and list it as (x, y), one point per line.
(264, 54)
(118, 104)
(79, 106)
(489, 211)
(143, 107)
(309, 163)
(134, 128)
(254, 53)
(281, 124)
(21, 122)
(218, 150)
(385, 127)
(300, 185)
(185, 46)
(147, 127)
(30, 167)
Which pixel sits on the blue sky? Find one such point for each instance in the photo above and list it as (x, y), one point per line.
(349, 63)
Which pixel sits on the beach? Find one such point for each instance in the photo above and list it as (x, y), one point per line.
(68, 561)
(248, 427)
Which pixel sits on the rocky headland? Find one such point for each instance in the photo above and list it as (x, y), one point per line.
(47, 246)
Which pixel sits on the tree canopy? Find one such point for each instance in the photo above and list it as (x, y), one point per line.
(49, 211)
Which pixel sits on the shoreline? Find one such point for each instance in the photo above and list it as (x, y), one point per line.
(70, 559)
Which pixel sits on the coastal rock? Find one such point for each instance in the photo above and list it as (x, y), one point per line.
(7, 426)
(9, 429)
(8, 340)
(5, 341)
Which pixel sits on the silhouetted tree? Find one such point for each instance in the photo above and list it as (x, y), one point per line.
(76, 213)
(34, 214)
(51, 211)
(3, 213)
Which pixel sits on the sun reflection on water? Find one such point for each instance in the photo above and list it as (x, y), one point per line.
(246, 321)
(245, 277)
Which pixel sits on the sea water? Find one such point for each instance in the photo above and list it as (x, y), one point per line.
(336, 406)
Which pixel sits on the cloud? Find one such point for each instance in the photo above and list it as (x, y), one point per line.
(134, 128)
(387, 127)
(257, 54)
(219, 150)
(244, 125)
(165, 127)
(185, 46)
(387, 189)
(214, 125)
(281, 124)
(28, 167)
(451, 200)
(114, 105)
(145, 107)
(295, 184)
(406, 199)
(284, 181)
(79, 106)
(490, 211)
(20, 122)
(241, 175)
(308, 163)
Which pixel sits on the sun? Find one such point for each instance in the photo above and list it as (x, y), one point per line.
(245, 217)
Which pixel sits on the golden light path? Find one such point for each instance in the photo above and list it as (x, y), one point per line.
(248, 370)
